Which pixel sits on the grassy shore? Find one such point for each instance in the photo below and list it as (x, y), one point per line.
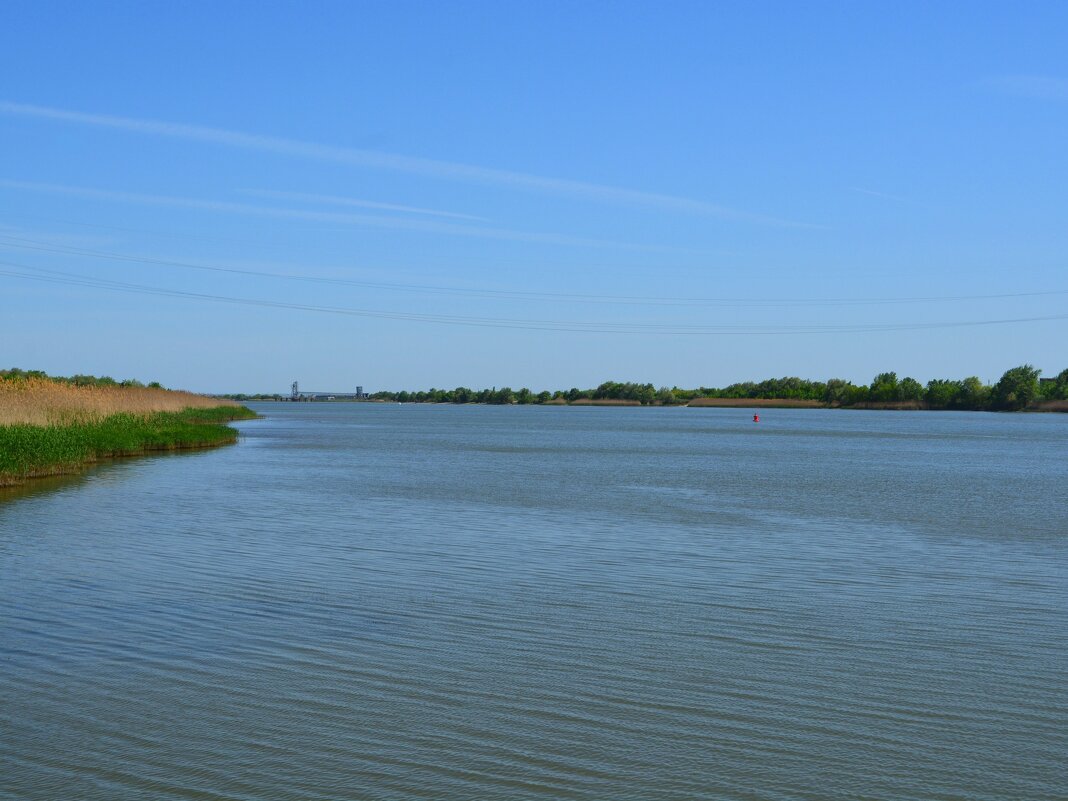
(48, 428)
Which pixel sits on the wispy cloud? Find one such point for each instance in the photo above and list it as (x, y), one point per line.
(1038, 87)
(387, 161)
(305, 197)
(371, 220)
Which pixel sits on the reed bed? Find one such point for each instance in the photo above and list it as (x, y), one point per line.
(50, 428)
(43, 402)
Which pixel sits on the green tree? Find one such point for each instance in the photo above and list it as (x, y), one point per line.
(835, 391)
(910, 390)
(885, 388)
(974, 394)
(942, 394)
(1058, 388)
(855, 395)
(1017, 388)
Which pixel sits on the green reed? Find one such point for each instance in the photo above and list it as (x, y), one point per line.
(27, 450)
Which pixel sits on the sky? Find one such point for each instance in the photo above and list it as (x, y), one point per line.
(228, 197)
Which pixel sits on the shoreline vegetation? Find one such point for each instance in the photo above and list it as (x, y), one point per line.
(56, 426)
(1019, 389)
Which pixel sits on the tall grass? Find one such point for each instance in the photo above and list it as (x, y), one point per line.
(43, 402)
(49, 428)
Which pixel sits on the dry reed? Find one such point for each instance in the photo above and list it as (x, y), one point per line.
(42, 402)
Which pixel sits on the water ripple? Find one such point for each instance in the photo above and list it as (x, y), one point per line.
(372, 602)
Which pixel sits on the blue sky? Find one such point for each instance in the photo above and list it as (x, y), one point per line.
(537, 194)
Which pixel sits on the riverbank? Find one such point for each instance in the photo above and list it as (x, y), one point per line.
(33, 451)
(884, 406)
(49, 428)
(757, 403)
(1018, 389)
(717, 403)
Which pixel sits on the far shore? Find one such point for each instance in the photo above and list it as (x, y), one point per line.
(695, 403)
(1019, 389)
(759, 403)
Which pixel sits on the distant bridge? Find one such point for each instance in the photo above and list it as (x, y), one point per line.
(297, 394)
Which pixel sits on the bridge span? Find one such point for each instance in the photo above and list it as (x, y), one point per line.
(297, 394)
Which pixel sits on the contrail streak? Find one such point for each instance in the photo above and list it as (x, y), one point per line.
(408, 164)
(307, 197)
(372, 220)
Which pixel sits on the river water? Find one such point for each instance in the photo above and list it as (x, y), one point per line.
(364, 601)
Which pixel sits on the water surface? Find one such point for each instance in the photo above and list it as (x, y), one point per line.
(365, 601)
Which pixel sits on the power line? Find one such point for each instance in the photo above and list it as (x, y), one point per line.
(46, 247)
(673, 329)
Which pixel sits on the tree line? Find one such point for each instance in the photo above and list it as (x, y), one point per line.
(14, 373)
(1018, 388)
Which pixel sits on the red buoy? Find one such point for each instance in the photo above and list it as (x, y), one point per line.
(756, 418)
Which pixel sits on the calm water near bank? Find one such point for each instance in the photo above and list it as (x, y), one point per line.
(365, 601)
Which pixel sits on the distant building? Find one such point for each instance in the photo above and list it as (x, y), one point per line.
(296, 394)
